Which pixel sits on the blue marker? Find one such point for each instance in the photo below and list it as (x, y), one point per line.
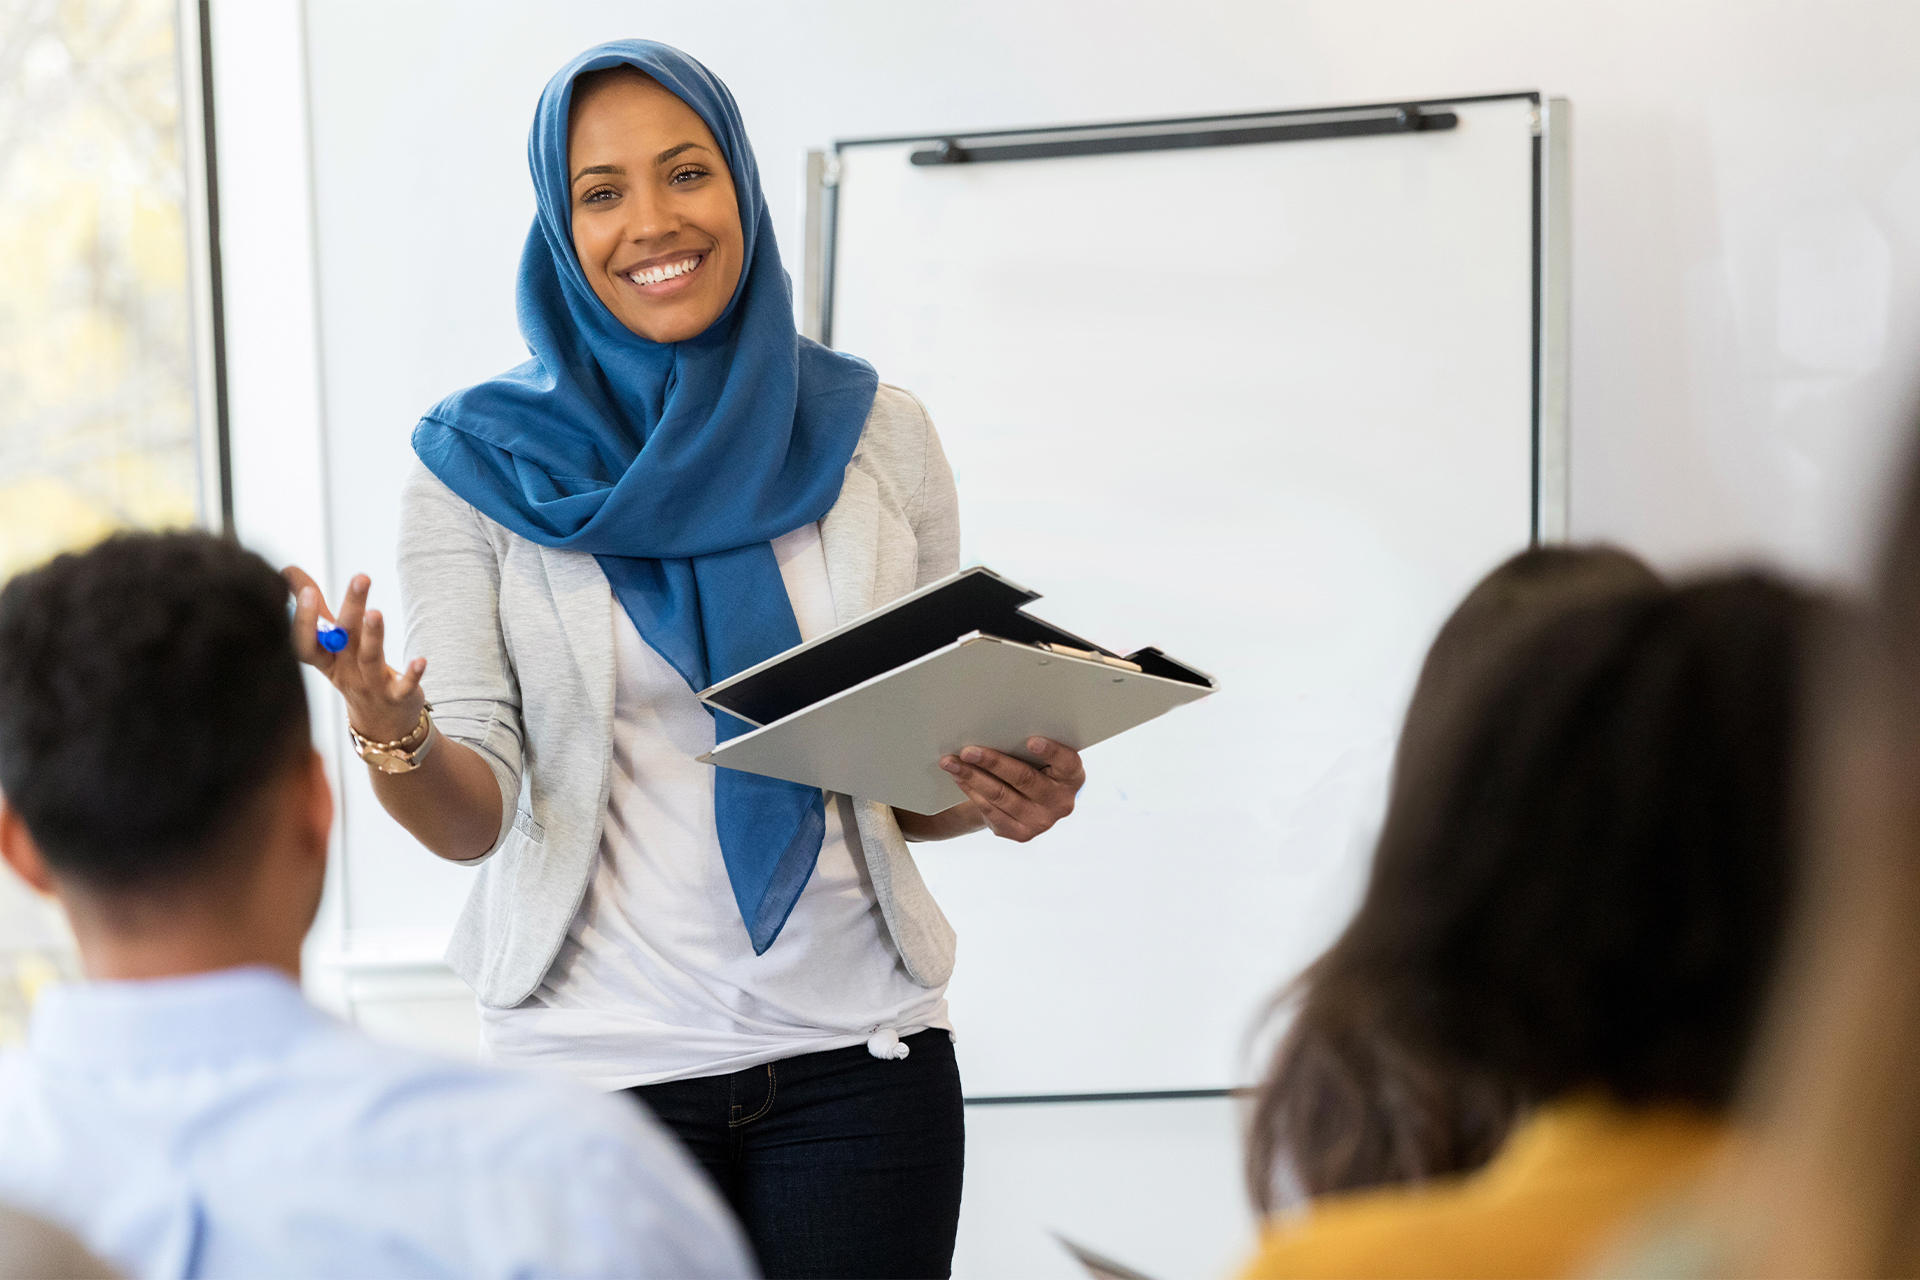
(333, 639)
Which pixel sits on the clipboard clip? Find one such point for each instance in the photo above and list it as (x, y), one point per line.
(1068, 651)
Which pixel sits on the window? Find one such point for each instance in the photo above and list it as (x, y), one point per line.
(103, 394)
(97, 371)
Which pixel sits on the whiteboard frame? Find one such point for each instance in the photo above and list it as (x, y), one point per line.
(1551, 194)
(1552, 357)
(1552, 258)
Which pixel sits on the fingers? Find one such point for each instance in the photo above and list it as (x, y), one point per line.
(306, 612)
(1061, 761)
(353, 605)
(362, 665)
(371, 653)
(298, 581)
(381, 703)
(402, 686)
(1017, 801)
(309, 606)
(1008, 770)
(369, 648)
(982, 790)
(1002, 823)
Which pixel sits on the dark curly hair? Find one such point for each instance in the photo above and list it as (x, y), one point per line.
(148, 690)
(1581, 882)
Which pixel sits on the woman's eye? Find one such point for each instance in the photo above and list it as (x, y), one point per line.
(687, 174)
(599, 195)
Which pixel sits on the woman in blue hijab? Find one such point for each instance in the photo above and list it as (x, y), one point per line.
(674, 487)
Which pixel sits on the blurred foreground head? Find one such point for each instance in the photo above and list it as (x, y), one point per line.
(1586, 863)
(34, 1249)
(153, 726)
(1830, 1183)
(1346, 1105)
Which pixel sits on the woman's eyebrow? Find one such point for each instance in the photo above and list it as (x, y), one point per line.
(671, 152)
(598, 168)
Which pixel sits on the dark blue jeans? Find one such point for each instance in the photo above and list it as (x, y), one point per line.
(839, 1164)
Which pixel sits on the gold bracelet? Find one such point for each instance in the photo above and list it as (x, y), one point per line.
(402, 755)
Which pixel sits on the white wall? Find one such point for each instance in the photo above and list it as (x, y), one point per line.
(1746, 191)
(1746, 271)
(275, 409)
(1745, 186)
(1153, 1184)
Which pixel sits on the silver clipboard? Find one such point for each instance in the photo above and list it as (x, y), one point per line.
(881, 738)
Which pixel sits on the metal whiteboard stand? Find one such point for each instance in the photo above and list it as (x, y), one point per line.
(1096, 141)
(1553, 254)
(1549, 120)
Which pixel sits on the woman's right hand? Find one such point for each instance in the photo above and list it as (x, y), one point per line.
(382, 704)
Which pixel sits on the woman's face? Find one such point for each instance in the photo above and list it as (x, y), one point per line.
(656, 223)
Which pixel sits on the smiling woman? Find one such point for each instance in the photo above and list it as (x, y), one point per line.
(656, 222)
(674, 488)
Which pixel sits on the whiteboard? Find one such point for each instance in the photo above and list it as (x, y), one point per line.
(1269, 407)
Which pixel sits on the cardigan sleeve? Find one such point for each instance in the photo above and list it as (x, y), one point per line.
(450, 594)
(934, 511)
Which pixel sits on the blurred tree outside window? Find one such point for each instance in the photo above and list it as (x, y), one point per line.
(97, 372)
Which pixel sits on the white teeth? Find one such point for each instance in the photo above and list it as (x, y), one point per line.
(654, 275)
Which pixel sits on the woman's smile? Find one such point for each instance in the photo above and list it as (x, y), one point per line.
(666, 274)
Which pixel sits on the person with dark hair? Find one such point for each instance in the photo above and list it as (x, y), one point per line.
(184, 1111)
(1347, 1105)
(1577, 900)
(1823, 1181)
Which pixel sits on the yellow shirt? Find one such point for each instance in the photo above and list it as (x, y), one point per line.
(1563, 1183)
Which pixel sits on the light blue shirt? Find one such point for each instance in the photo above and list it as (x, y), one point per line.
(218, 1125)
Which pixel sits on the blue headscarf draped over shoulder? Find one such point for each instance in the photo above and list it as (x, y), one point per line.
(673, 464)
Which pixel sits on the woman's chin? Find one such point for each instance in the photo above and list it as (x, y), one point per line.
(668, 321)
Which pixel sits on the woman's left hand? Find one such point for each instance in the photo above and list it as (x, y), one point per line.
(1013, 799)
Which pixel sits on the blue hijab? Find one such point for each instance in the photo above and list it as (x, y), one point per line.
(674, 464)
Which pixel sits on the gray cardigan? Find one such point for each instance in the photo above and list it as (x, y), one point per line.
(519, 646)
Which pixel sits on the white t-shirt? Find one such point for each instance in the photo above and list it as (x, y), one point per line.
(657, 979)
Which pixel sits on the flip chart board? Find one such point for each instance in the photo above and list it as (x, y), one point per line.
(1269, 393)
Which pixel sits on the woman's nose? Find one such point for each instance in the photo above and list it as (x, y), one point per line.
(650, 216)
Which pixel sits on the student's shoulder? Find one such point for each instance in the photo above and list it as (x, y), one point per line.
(20, 1088)
(416, 1102)
(588, 1183)
(23, 1085)
(32, 1144)
(1442, 1231)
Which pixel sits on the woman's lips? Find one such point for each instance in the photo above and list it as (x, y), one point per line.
(662, 279)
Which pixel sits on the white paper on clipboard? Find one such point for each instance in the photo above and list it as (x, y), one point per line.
(879, 734)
